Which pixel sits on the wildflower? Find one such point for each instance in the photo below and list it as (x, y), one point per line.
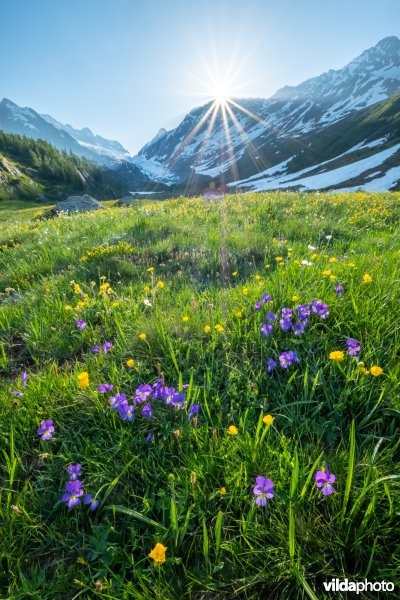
(193, 410)
(105, 387)
(233, 430)
(158, 553)
(320, 308)
(147, 411)
(311, 247)
(328, 237)
(285, 324)
(146, 289)
(150, 437)
(17, 393)
(219, 328)
(267, 266)
(286, 359)
(353, 346)
(278, 258)
(150, 269)
(118, 400)
(74, 471)
(130, 363)
(234, 273)
(207, 328)
(326, 273)
(245, 291)
(157, 388)
(263, 489)
(46, 430)
(147, 302)
(80, 324)
(160, 284)
(142, 336)
(324, 480)
(257, 305)
(73, 494)
(294, 298)
(271, 365)
(299, 328)
(376, 371)
(270, 316)
(83, 379)
(24, 378)
(337, 355)
(143, 392)
(222, 491)
(239, 314)
(68, 307)
(339, 291)
(266, 298)
(96, 349)
(267, 329)
(185, 318)
(333, 259)
(126, 411)
(367, 278)
(93, 502)
(332, 277)
(268, 420)
(107, 347)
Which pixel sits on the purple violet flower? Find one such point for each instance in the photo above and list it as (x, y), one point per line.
(267, 329)
(17, 393)
(74, 471)
(105, 387)
(143, 392)
(324, 480)
(147, 411)
(320, 308)
(107, 347)
(46, 430)
(299, 328)
(96, 349)
(271, 365)
(80, 324)
(193, 410)
(126, 411)
(270, 316)
(74, 492)
(150, 437)
(24, 378)
(157, 389)
(339, 291)
(117, 400)
(263, 489)
(353, 346)
(286, 359)
(285, 324)
(93, 502)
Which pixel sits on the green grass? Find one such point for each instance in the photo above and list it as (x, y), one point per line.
(219, 545)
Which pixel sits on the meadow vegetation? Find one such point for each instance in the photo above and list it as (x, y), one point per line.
(272, 464)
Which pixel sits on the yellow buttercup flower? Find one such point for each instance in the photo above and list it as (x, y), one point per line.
(233, 430)
(142, 336)
(234, 273)
(83, 379)
(268, 420)
(239, 314)
(219, 328)
(326, 273)
(278, 258)
(294, 298)
(207, 328)
(245, 291)
(68, 307)
(337, 355)
(267, 266)
(376, 371)
(146, 288)
(222, 491)
(150, 269)
(367, 278)
(185, 318)
(332, 277)
(158, 553)
(160, 284)
(257, 277)
(130, 362)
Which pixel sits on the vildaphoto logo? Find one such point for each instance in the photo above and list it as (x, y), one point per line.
(344, 585)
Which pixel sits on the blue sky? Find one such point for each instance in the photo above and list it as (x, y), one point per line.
(125, 68)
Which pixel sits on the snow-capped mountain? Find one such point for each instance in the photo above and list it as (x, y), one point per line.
(257, 135)
(26, 121)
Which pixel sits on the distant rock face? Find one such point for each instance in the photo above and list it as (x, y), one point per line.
(78, 204)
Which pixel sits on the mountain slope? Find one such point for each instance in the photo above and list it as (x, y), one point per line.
(35, 170)
(26, 121)
(256, 134)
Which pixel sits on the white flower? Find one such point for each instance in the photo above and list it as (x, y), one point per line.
(311, 247)
(328, 237)
(146, 302)
(306, 263)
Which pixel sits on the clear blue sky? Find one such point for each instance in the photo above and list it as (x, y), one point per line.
(125, 68)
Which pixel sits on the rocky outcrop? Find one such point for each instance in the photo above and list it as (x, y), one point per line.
(78, 204)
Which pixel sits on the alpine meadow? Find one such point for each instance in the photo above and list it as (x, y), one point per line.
(199, 300)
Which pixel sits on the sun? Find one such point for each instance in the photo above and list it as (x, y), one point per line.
(221, 95)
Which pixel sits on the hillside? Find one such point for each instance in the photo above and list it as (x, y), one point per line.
(35, 170)
(199, 399)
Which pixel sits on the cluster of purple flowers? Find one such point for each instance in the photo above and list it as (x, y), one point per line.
(106, 347)
(80, 323)
(286, 359)
(302, 314)
(353, 346)
(74, 491)
(46, 430)
(145, 395)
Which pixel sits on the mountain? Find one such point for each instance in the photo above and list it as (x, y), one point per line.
(250, 137)
(35, 170)
(26, 121)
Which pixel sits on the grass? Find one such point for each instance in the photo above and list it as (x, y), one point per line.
(191, 487)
